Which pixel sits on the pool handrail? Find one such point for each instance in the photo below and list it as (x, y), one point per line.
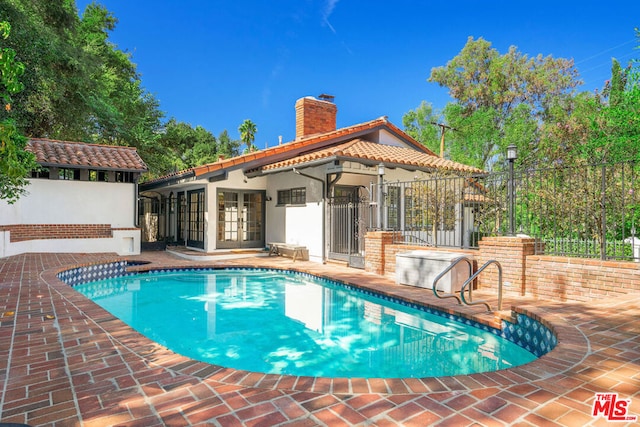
(445, 271)
(472, 278)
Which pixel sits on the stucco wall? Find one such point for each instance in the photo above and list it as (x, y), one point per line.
(72, 202)
(302, 225)
(43, 220)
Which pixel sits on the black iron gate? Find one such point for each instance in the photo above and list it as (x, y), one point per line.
(348, 222)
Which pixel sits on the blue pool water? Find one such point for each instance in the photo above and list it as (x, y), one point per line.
(272, 321)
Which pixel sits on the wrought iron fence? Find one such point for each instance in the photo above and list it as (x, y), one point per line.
(588, 211)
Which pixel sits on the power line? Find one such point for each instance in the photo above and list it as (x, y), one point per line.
(605, 51)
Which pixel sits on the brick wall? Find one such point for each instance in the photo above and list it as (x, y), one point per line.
(523, 272)
(23, 232)
(511, 253)
(314, 116)
(375, 246)
(579, 279)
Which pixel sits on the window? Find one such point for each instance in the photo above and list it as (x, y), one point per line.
(98, 175)
(40, 173)
(69, 174)
(124, 176)
(292, 196)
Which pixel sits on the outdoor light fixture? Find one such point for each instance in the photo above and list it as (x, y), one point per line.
(380, 201)
(512, 155)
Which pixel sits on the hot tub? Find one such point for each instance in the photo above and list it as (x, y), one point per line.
(419, 268)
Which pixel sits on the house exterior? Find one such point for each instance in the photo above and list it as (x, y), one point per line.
(318, 191)
(82, 200)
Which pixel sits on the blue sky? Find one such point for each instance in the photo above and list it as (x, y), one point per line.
(217, 62)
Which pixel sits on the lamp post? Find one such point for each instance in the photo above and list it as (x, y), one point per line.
(380, 195)
(512, 155)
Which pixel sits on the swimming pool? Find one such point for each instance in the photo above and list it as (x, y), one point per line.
(291, 323)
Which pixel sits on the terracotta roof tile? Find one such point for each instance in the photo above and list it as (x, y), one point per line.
(274, 155)
(360, 149)
(297, 144)
(50, 152)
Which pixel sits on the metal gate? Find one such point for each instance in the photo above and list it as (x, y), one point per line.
(348, 223)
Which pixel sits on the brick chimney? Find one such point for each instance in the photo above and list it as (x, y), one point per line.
(315, 115)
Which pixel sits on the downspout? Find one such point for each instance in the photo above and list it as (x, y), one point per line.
(136, 214)
(324, 208)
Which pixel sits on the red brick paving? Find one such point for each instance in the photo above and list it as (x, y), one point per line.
(66, 362)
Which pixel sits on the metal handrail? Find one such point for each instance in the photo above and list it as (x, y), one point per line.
(445, 271)
(472, 278)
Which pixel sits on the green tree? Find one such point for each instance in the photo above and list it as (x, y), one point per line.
(421, 124)
(248, 132)
(15, 161)
(616, 127)
(80, 85)
(496, 96)
(184, 146)
(228, 146)
(52, 97)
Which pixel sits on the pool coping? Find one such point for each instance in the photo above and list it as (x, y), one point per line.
(571, 349)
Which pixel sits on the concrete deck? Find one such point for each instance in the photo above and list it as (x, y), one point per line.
(66, 362)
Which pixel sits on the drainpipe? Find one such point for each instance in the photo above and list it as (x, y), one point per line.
(324, 208)
(136, 214)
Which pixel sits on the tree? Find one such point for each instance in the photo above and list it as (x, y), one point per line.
(496, 96)
(248, 132)
(15, 161)
(181, 146)
(616, 127)
(421, 124)
(52, 97)
(227, 146)
(80, 86)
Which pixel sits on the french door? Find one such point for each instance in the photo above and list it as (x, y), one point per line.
(240, 219)
(195, 218)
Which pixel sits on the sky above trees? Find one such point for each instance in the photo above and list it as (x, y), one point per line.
(216, 64)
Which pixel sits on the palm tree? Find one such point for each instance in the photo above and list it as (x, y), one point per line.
(248, 132)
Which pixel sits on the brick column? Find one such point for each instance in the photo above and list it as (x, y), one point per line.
(374, 249)
(511, 253)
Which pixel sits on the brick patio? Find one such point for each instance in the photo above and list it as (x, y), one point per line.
(64, 361)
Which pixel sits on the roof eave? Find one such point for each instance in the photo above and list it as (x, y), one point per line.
(92, 167)
(167, 181)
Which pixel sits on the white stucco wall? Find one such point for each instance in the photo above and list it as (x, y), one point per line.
(301, 225)
(73, 202)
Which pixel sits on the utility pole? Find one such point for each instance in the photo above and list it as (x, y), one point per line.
(443, 129)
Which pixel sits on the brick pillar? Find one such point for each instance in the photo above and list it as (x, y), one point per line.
(511, 253)
(374, 249)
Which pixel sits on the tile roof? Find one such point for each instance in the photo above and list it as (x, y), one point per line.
(418, 156)
(283, 151)
(81, 155)
(359, 149)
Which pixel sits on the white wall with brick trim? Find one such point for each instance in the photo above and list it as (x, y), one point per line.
(68, 203)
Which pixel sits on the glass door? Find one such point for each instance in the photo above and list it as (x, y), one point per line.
(180, 232)
(195, 218)
(240, 219)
